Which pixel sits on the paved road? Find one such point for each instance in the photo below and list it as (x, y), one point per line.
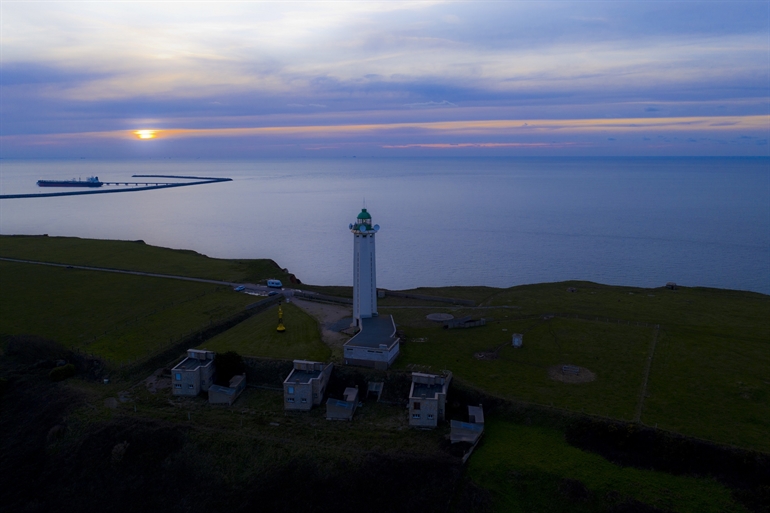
(250, 287)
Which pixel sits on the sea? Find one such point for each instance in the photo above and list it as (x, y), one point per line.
(494, 221)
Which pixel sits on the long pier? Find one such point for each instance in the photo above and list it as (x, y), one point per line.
(136, 186)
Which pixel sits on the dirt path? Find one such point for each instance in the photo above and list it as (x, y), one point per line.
(643, 393)
(327, 315)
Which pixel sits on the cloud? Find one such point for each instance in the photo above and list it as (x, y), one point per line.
(428, 105)
(302, 105)
(479, 145)
(212, 68)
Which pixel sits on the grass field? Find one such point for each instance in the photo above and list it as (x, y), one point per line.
(137, 256)
(615, 353)
(708, 376)
(121, 318)
(257, 336)
(525, 467)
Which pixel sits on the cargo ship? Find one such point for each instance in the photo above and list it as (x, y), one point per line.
(92, 181)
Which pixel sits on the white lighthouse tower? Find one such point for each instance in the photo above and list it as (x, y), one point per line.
(364, 268)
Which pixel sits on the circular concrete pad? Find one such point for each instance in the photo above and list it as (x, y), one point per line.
(439, 317)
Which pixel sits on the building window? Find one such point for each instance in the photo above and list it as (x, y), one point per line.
(430, 416)
(178, 376)
(190, 386)
(416, 405)
(289, 399)
(415, 415)
(178, 385)
(290, 390)
(303, 400)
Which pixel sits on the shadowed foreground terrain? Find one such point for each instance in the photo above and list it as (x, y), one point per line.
(675, 419)
(55, 461)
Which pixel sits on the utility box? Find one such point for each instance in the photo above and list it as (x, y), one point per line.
(518, 340)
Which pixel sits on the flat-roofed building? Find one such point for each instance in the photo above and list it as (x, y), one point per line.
(469, 431)
(375, 345)
(227, 395)
(193, 374)
(306, 384)
(427, 399)
(343, 409)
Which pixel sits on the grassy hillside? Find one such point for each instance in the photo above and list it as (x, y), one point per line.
(703, 354)
(137, 256)
(531, 468)
(615, 353)
(707, 377)
(121, 318)
(257, 336)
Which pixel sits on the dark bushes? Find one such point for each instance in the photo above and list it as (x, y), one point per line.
(62, 373)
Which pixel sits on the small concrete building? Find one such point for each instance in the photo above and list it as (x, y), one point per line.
(427, 399)
(193, 374)
(375, 345)
(468, 431)
(306, 384)
(337, 409)
(464, 322)
(227, 395)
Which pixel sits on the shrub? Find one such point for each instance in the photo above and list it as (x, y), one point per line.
(228, 365)
(62, 373)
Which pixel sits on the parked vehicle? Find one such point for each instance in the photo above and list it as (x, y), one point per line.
(276, 284)
(240, 288)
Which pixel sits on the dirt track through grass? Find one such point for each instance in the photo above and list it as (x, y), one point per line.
(643, 393)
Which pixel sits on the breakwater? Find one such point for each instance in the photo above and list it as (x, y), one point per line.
(127, 186)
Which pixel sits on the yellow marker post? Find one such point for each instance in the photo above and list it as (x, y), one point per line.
(281, 328)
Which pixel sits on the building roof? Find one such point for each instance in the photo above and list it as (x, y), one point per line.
(192, 363)
(456, 424)
(429, 391)
(364, 214)
(302, 376)
(222, 390)
(375, 331)
(477, 413)
(348, 405)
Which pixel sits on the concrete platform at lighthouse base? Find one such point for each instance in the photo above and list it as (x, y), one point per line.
(376, 345)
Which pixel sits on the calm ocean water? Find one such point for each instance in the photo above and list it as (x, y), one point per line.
(459, 221)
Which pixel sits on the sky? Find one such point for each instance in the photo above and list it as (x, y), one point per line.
(288, 79)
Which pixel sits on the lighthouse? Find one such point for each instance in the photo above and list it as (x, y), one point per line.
(364, 268)
(376, 344)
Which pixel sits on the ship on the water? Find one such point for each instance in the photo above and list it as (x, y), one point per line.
(92, 181)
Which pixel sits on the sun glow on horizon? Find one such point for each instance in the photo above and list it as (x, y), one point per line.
(146, 134)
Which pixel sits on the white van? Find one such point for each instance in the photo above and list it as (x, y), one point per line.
(276, 284)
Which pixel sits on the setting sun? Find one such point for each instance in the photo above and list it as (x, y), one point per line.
(145, 134)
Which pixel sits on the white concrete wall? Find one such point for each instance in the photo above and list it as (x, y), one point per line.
(372, 354)
(364, 276)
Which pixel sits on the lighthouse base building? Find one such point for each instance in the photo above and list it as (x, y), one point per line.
(376, 344)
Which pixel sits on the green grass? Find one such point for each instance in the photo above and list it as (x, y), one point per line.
(524, 465)
(121, 318)
(615, 353)
(709, 372)
(257, 336)
(137, 256)
(708, 376)
(711, 383)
